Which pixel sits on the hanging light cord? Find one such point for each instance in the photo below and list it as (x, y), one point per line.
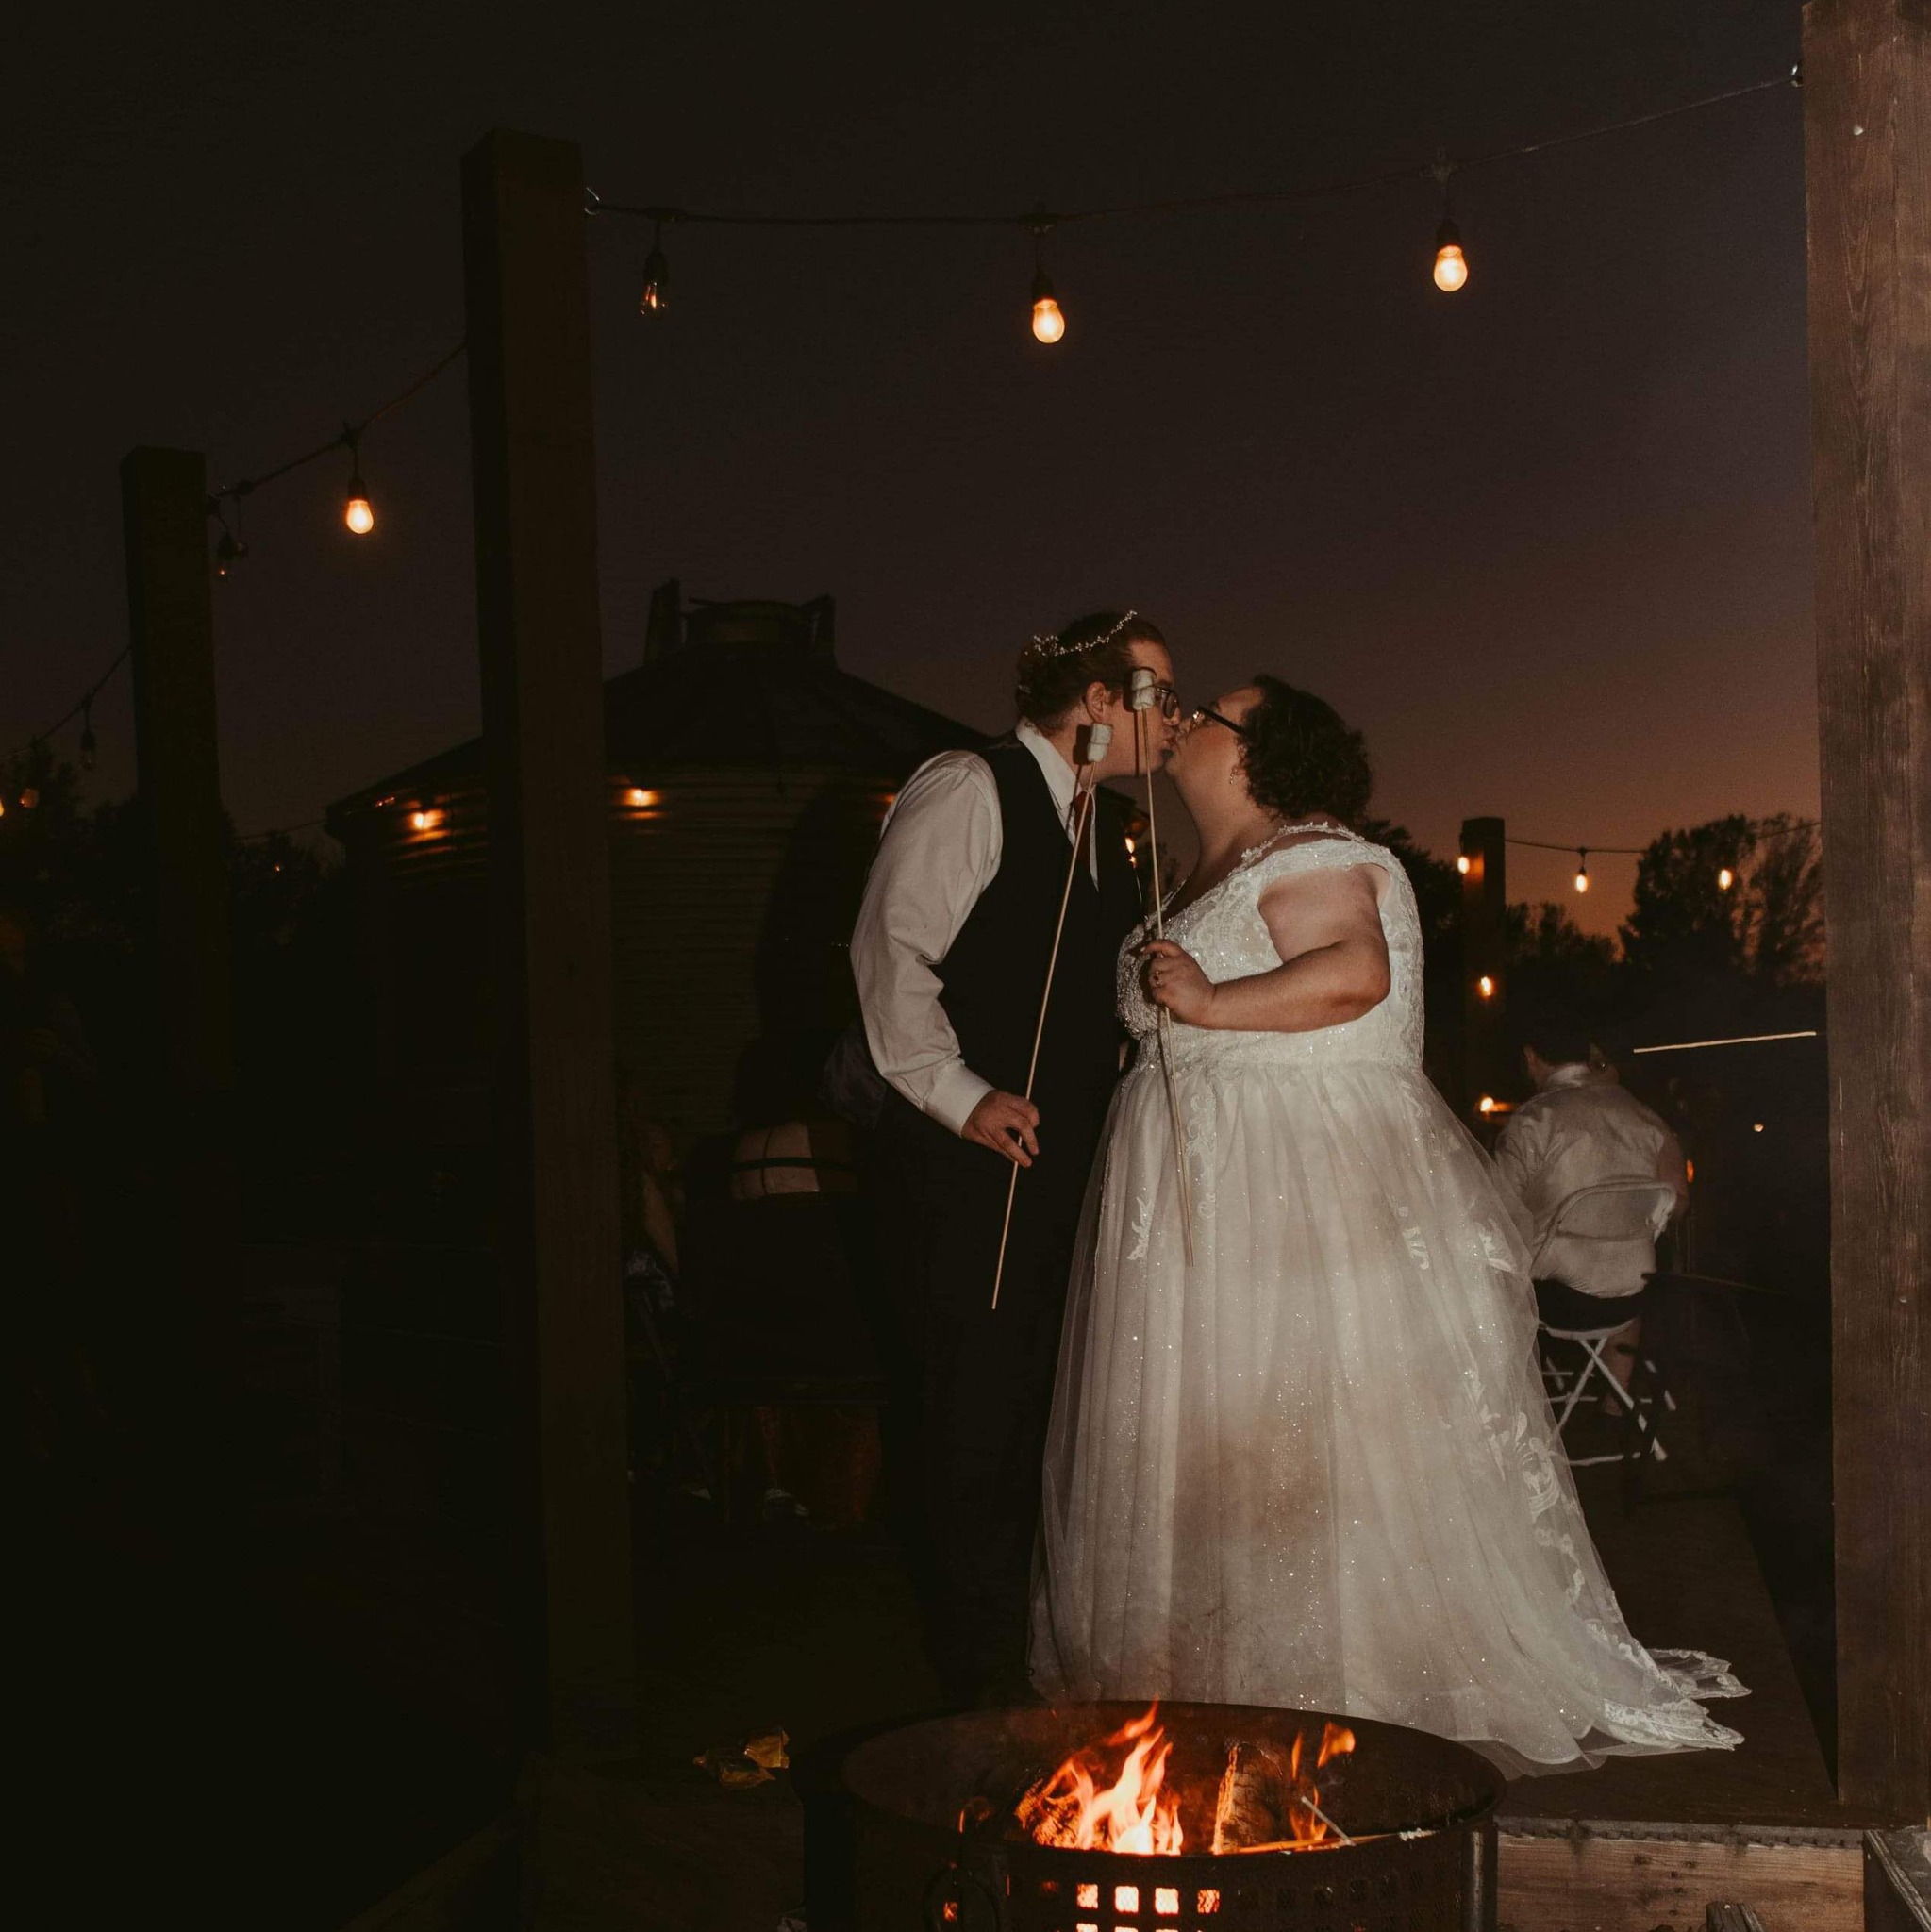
(74, 710)
(1256, 197)
(347, 438)
(1637, 851)
(233, 492)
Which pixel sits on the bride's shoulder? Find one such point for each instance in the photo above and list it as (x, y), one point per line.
(1306, 848)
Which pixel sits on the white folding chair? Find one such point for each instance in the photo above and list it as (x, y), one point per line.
(1609, 1217)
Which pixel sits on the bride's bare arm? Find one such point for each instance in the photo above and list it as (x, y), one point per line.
(1327, 926)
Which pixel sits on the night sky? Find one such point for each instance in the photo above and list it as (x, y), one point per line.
(1547, 540)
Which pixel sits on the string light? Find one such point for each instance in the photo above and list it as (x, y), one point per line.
(1486, 1104)
(656, 297)
(358, 513)
(1049, 319)
(1464, 865)
(1486, 987)
(1451, 264)
(1451, 269)
(1726, 876)
(82, 708)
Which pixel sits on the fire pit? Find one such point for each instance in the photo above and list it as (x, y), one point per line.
(1185, 1818)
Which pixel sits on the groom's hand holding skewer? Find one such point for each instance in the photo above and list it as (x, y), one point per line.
(1174, 979)
(1005, 1123)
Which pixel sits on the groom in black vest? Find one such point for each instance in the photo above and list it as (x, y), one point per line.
(950, 955)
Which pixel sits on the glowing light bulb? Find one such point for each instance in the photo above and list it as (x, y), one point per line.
(1451, 264)
(1487, 1104)
(1757, 1126)
(656, 295)
(1486, 987)
(29, 797)
(1464, 865)
(640, 797)
(1725, 879)
(228, 552)
(358, 512)
(1049, 322)
(424, 820)
(1582, 871)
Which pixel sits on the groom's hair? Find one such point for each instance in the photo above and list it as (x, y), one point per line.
(1054, 671)
(1557, 1033)
(1301, 756)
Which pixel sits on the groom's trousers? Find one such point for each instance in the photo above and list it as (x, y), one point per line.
(978, 1381)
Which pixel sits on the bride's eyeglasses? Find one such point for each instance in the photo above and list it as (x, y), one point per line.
(1208, 713)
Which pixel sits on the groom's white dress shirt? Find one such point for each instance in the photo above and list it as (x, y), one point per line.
(937, 851)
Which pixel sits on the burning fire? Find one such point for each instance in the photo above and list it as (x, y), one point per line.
(1132, 1814)
(1266, 1800)
(1283, 1795)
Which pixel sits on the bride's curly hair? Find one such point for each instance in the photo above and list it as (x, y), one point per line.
(1302, 757)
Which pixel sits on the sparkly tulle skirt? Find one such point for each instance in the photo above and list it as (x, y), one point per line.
(1317, 1467)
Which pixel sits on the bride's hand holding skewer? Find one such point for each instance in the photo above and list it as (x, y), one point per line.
(1174, 979)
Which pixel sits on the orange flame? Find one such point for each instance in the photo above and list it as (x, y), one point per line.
(1305, 1823)
(1134, 1814)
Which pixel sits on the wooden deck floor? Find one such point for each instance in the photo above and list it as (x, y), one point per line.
(1686, 1577)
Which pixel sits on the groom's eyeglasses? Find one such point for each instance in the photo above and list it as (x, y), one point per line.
(1209, 713)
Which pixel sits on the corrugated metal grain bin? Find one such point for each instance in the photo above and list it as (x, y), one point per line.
(747, 778)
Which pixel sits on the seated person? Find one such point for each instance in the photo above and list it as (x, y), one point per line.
(1577, 1130)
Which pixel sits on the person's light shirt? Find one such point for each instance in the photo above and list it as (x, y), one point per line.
(937, 851)
(1579, 1129)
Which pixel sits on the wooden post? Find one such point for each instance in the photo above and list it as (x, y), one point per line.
(170, 632)
(536, 518)
(171, 624)
(1867, 159)
(1484, 944)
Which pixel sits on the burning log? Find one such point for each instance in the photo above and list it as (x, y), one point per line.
(1267, 1803)
(1266, 1799)
(1133, 1814)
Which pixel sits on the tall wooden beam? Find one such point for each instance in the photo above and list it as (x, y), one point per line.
(171, 629)
(1484, 948)
(1867, 145)
(536, 518)
(188, 1015)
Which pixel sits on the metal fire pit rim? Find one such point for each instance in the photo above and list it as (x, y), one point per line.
(1265, 1720)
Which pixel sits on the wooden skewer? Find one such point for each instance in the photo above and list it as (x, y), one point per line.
(1183, 1180)
(1082, 813)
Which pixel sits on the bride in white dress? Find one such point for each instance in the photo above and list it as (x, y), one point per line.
(1317, 1467)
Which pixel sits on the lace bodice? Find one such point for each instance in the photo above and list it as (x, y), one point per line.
(1225, 931)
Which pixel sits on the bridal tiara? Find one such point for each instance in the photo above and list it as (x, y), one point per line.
(1051, 646)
